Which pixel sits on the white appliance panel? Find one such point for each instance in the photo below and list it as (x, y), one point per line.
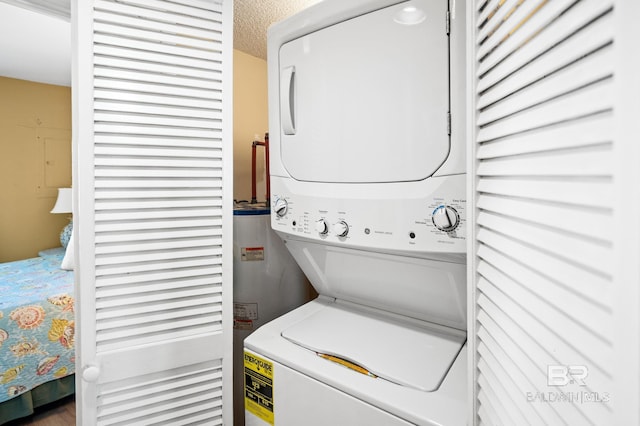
(378, 343)
(304, 401)
(423, 289)
(367, 99)
(397, 217)
(302, 381)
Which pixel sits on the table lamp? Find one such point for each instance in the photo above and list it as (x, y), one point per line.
(64, 205)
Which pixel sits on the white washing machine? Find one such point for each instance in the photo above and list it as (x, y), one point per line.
(367, 156)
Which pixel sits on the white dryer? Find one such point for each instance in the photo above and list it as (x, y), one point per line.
(367, 156)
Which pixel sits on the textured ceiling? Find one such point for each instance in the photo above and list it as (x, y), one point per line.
(253, 17)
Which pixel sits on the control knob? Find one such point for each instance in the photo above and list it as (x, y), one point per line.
(445, 218)
(281, 207)
(341, 229)
(321, 227)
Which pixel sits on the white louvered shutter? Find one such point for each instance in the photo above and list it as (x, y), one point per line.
(544, 272)
(153, 190)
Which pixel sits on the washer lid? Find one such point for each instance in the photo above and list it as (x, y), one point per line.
(409, 353)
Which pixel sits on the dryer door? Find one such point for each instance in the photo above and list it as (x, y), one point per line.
(367, 99)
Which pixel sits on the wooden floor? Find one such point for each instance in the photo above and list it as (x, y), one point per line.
(60, 413)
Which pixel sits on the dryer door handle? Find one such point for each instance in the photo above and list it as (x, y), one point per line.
(287, 100)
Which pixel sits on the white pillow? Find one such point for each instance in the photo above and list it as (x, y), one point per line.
(67, 260)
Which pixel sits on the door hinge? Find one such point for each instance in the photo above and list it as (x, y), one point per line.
(448, 22)
(449, 123)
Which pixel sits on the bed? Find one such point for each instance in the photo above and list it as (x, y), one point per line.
(37, 330)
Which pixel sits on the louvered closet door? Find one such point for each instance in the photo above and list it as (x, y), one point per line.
(542, 183)
(152, 179)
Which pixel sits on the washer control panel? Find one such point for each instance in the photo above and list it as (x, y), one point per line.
(433, 223)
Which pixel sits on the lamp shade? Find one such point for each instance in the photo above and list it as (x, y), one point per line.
(64, 201)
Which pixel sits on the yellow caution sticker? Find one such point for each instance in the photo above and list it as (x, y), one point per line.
(258, 387)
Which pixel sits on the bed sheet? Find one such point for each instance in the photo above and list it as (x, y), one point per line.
(37, 327)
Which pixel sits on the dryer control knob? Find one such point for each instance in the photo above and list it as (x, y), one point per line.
(281, 206)
(321, 227)
(341, 229)
(445, 218)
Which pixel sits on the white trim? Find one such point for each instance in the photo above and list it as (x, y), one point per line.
(54, 9)
(472, 213)
(626, 297)
(227, 208)
(83, 196)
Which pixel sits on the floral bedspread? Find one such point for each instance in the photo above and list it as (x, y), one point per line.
(36, 323)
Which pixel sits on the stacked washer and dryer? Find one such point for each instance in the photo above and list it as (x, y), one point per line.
(366, 117)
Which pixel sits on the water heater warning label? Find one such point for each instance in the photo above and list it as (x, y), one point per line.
(251, 253)
(258, 387)
(245, 311)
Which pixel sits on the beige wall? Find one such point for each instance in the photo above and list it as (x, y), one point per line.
(35, 159)
(250, 120)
